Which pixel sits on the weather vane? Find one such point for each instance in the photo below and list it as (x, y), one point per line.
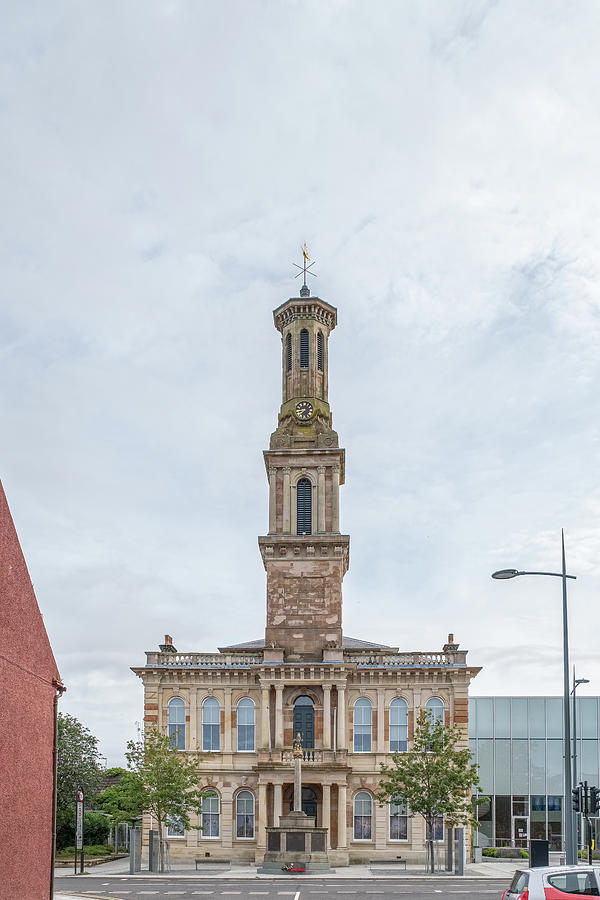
(305, 270)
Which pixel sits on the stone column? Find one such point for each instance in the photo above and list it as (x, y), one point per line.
(341, 718)
(279, 716)
(286, 500)
(380, 721)
(262, 817)
(297, 783)
(335, 500)
(228, 723)
(272, 499)
(277, 803)
(327, 717)
(193, 719)
(327, 812)
(341, 837)
(266, 725)
(321, 500)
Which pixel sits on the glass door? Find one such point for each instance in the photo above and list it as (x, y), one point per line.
(520, 831)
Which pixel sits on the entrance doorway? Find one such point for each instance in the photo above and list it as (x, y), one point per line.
(304, 721)
(309, 802)
(520, 831)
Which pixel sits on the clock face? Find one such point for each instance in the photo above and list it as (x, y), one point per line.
(304, 410)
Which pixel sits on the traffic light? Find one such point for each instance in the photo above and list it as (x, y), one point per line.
(577, 799)
(594, 801)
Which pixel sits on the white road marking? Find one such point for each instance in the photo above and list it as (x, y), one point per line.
(202, 892)
(258, 892)
(297, 895)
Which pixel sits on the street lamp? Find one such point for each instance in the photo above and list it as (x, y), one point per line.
(502, 574)
(576, 683)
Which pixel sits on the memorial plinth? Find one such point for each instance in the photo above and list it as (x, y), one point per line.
(296, 839)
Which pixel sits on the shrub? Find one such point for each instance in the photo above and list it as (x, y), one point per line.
(88, 850)
(96, 828)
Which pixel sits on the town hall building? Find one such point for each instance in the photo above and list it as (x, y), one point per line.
(353, 702)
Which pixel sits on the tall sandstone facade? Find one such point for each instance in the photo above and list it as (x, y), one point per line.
(354, 702)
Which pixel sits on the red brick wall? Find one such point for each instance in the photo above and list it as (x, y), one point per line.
(27, 668)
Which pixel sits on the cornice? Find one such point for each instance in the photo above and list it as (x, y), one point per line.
(305, 308)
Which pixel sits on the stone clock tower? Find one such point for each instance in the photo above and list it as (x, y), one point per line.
(304, 554)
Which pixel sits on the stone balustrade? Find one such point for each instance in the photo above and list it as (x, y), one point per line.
(397, 660)
(204, 660)
(308, 756)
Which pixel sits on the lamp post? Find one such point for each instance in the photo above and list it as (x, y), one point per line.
(576, 683)
(571, 856)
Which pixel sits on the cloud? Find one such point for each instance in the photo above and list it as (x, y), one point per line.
(162, 165)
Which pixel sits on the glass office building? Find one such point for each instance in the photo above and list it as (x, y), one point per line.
(517, 743)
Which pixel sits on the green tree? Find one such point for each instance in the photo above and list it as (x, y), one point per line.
(121, 801)
(77, 768)
(435, 778)
(161, 781)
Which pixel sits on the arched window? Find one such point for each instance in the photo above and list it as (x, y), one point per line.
(177, 723)
(288, 352)
(175, 828)
(398, 726)
(244, 815)
(211, 724)
(304, 721)
(362, 725)
(363, 814)
(320, 344)
(304, 506)
(435, 708)
(398, 820)
(245, 724)
(304, 349)
(210, 816)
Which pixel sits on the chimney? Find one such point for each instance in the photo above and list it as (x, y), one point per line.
(167, 647)
(450, 646)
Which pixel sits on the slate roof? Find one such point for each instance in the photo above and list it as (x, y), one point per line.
(348, 643)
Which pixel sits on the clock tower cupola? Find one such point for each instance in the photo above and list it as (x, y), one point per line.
(304, 553)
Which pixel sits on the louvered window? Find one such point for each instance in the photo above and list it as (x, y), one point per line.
(304, 349)
(304, 503)
(288, 352)
(320, 351)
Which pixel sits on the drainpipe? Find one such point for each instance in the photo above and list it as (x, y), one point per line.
(60, 689)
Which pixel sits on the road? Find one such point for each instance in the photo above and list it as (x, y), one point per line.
(122, 888)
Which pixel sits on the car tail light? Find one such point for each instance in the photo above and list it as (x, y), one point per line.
(524, 895)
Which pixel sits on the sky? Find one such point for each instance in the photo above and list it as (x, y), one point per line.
(161, 164)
